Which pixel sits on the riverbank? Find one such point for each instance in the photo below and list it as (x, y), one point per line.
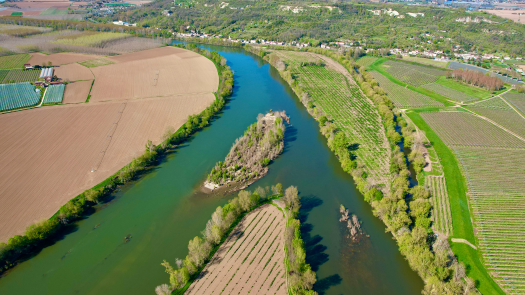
(38, 235)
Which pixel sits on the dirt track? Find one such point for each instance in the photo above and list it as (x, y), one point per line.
(48, 153)
(251, 260)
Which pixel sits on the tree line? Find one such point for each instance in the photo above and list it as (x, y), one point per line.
(20, 246)
(477, 79)
(405, 210)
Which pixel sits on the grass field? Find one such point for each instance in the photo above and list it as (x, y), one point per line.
(426, 61)
(14, 61)
(461, 220)
(96, 62)
(412, 74)
(464, 88)
(350, 110)
(465, 129)
(404, 97)
(53, 11)
(366, 61)
(449, 92)
(19, 75)
(500, 112)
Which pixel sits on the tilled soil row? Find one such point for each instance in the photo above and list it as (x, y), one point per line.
(250, 260)
(210, 270)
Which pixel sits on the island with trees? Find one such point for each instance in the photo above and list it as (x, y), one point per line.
(251, 154)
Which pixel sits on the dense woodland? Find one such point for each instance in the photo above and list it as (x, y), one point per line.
(350, 21)
(250, 155)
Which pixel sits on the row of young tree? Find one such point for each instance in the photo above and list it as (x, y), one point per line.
(36, 234)
(223, 220)
(477, 79)
(405, 210)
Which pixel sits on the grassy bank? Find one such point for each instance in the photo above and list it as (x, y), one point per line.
(39, 235)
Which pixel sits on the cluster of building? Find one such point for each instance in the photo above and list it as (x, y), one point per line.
(122, 23)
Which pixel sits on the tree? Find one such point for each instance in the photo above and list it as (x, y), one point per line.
(261, 192)
(279, 188)
(291, 199)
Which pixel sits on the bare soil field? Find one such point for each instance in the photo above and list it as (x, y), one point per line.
(76, 92)
(510, 14)
(48, 153)
(60, 58)
(251, 260)
(73, 72)
(43, 5)
(156, 72)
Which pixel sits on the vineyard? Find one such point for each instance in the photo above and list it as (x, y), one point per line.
(412, 74)
(496, 177)
(449, 92)
(500, 112)
(54, 94)
(350, 110)
(19, 75)
(440, 204)
(250, 261)
(95, 40)
(14, 61)
(3, 73)
(19, 95)
(404, 97)
(366, 61)
(517, 100)
(465, 129)
(426, 61)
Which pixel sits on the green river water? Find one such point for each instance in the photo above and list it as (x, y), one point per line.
(163, 210)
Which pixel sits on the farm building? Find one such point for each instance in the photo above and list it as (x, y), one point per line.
(47, 74)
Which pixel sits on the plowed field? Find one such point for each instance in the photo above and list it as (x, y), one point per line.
(77, 92)
(73, 72)
(154, 73)
(251, 260)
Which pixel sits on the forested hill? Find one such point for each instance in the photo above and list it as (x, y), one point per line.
(318, 22)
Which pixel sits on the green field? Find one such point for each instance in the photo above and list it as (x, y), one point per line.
(19, 75)
(91, 39)
(366, 61)
(426, 61)
(52, 11)
(345, 104)
(17, 95)
(449, 92)
(464, 88)
(54, 94)
(402, 96)
(412, 74)
(14, 61)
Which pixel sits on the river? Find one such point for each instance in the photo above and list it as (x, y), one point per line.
(163, 210)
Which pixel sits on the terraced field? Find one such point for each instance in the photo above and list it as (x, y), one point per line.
(404, 97)
(517, 100)
(500, 112)
(54, 94)
(449, 92)
(412, 74)
(465, 129)
(350, 110)
(496, 177)
(19, 75)
(440, 204)
(17, 95)
(250, 261)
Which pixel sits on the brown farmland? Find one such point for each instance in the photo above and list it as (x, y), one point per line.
(73, 72)
(77, 92)
(59, 58)
(154, 73)
(48, 153)
(515, 15)
(251, 260)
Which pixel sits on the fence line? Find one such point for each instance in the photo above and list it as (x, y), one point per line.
(108, 138)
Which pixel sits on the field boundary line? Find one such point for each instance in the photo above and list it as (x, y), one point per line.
(108, 138)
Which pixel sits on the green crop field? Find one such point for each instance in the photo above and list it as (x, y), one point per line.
(495, 177)
(54, 94)
(415, 75)
(517, 100)
(449, 92)
(348, 107)
(19, 75)
(3, 73)
(404, 97)
(14, 61)
(440, 204)
(52, 11)
(465, 129)
(500, 112)
(91, 39)
(366, 61)
(464, 88)
(17, 95)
